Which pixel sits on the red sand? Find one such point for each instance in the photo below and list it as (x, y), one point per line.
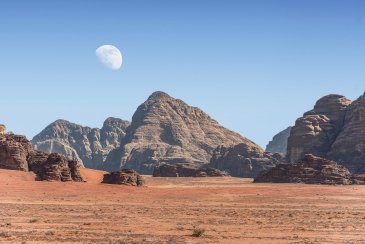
(230, 210)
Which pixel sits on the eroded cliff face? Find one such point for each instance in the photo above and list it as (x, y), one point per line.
(87, 145)
(167, 130)
(334, 129)
(349, 146)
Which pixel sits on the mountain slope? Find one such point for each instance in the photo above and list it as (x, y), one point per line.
(165, 129)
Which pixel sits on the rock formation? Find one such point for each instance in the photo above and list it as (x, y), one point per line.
(183, 170)
(124, 177)
(316, 131)
(16, 153)
(165, 129)
(84, 144)
(279, 142)
(349, 146)
(244, 160)
(309, 170)
(2, 129)
(334, 129)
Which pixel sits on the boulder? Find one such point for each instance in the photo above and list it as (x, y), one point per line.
(309, 170)
(124, 177)
(54, 167)
(183, 170)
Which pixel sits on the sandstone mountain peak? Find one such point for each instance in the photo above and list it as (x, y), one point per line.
(167, 130)
(159, 95)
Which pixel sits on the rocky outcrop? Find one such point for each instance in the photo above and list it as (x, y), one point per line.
(349, 146)
(334, 129)
(279, 142)
(124, 177)
(183, 170)
(84, 144)
(16, 153)
(167, 130)
(309, 170)
(317, 130)
(2, 129)
(244, 160)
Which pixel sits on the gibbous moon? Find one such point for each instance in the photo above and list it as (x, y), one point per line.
(110, 56)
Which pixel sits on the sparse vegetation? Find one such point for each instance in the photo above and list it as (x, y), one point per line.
(50, 233)
(198, 232)
(33, 220)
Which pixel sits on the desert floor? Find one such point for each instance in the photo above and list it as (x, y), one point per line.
(230, 210)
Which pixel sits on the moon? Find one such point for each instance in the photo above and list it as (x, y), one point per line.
(110, 56)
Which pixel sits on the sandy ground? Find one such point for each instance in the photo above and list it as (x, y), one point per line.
(230, 210)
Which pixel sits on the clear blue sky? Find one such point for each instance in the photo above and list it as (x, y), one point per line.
(254, 66)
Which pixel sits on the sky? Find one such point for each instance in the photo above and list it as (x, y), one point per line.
(254, 66)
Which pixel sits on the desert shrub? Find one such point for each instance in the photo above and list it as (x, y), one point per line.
(198, 232)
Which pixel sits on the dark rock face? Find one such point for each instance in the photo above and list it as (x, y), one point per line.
(124, 177)
(183, 170)
(167, 130)
(310, 170)
(334, 129)
(280, 142)
(84, 144)
(244, 160)
(54, 167)
(16, 153)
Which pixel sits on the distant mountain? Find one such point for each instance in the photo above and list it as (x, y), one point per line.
(279, 142)
(167, 130)
(333, 129)
(89, 145)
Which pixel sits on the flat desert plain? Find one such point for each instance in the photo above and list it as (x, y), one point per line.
(168, 210)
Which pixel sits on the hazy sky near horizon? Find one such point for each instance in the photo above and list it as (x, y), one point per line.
(255, 66)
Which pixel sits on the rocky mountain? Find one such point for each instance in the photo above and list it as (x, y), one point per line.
(88, 145)
(167, 130)
(16, 153)
(333, 129)
(244, 160)
(279, 142)
(310, 170)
